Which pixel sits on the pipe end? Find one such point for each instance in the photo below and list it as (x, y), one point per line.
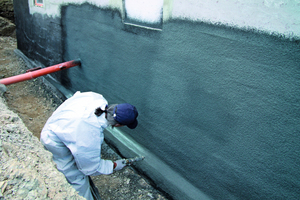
(77, 61)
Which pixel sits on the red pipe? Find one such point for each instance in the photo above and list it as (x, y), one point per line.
(34, 74)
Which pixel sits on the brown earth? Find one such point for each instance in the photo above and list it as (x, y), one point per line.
(34, 103)
(7, 26)
(7, 10)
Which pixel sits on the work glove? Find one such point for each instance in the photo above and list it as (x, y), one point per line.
(119, 164)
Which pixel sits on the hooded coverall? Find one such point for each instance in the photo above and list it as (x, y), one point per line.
(74, 135)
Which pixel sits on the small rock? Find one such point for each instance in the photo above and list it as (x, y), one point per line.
(11, 128)
(14, 119)
(6, 27)
(143, 183)
(3, 89)
(150, 195)
(23, 192)
(3, 185)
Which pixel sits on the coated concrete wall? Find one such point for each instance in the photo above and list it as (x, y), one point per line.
(220, 106)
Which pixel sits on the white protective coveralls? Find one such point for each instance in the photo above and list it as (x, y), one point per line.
(74, 135)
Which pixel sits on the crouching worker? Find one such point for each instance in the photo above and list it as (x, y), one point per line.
(74, 135)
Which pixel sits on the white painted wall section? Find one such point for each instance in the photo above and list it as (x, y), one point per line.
(273, 16)
(144, 10)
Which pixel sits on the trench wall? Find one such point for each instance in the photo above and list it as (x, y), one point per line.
(219, 105)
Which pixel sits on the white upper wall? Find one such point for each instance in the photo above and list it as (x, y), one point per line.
(272, 16)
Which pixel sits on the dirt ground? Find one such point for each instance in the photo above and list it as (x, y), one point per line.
(34, 103)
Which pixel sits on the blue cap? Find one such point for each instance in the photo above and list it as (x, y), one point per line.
(126, 114)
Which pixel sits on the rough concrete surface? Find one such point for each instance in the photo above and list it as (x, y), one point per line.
(219, 105)
(27, 171)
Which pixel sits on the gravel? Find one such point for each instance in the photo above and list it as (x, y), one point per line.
(26, 169)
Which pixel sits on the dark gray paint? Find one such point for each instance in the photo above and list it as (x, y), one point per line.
(39, 36)
(218, 105)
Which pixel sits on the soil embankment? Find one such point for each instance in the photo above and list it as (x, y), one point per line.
(26, 169)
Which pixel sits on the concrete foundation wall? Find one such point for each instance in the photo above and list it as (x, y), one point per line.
(38, 35)
(218, 105)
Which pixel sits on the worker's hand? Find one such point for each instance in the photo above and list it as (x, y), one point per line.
(118, 164)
